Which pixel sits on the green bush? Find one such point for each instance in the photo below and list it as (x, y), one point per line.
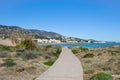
(49, 46)
(89, 55)
(5, 48)
(29, 44)
(20, 46)
(33, 68)
(84, 49)
(75, 51)
(102, 76)
(113, 54)
(58, 51)
(9, 62)
(49, 62)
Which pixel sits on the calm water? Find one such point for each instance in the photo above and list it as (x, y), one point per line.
(88, 45)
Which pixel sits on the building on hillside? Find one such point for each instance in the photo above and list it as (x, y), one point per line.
(45, 41)
(71, 41)
(54, 41)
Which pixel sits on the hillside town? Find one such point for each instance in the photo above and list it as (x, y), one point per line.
(40, 36)
(55, 41)
(45, 41)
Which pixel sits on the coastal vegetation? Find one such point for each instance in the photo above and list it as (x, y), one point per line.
(5, 48)
(9, 62)
(49, 62)
(75, 51)
(102, 76)
(99, 63)
(26, 60)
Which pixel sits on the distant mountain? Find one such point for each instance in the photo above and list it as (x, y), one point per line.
(46, 34)
(6, 31)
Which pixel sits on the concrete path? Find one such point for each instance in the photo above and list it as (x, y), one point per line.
(67, 67)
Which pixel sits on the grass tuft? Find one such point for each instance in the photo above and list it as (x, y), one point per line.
(49, 62)
(102, 76)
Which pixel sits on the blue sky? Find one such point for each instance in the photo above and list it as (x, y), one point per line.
(88, 19)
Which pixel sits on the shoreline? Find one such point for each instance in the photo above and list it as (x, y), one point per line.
(86, 45)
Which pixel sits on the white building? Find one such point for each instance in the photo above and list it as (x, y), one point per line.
(48, 41)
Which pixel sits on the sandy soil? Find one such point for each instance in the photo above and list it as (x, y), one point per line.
(6, 42)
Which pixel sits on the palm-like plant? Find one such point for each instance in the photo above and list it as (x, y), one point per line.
(14, 38)
(23, 40)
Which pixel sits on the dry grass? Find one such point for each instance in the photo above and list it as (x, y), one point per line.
(105, 59)
(27, 68)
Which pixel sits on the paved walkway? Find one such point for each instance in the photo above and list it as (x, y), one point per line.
(67, 67)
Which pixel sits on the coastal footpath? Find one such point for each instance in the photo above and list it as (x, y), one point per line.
(67, 67)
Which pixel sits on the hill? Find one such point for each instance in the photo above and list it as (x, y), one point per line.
(6, 31)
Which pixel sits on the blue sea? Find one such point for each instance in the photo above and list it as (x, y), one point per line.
(87, 45)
